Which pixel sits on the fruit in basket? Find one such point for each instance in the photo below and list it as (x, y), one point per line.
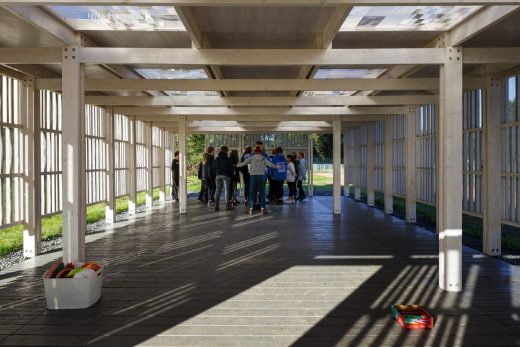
(86, 273)
(54, 270)
(63, 273)
(91, 265)
(74, 272)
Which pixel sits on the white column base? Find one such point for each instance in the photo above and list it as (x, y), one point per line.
(370, 199)
(132, 207)
(110, 215)
(389, 204)
(162, 196)
(149, 201)
(357, 193)
(31, 244)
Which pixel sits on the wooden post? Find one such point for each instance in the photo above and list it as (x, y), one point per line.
(492, 199)
(311, 166)
(336, 150)
(73, 156)
(357, 164)
(346, 162)
(388, 167)
(161, 155)
(132, 169)
(183, 179)
(30, 115)
(371, 159)
(410, 165)
(149, 165)
(449, 172)
(110, 208)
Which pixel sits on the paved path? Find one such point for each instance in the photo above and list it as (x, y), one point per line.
(296, 277)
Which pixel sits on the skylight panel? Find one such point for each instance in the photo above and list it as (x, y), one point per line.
(173, 74)
(324, 73)
(145, 18)
(395, 18)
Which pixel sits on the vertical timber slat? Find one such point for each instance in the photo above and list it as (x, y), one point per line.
(110, 209)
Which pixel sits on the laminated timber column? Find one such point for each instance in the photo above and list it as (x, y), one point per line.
(310, 171)
(357, 164)
(371, 159)
(149, 165)
(30, 114)
(183, 179)
(388, 166)
(492, 208)
(162, 159)
(410, 166)
(73, 156)
(132, 169)
(336, 167)
(110, 208)
(449, 172)
(346, 161)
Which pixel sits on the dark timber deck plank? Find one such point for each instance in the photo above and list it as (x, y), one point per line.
(296, 277)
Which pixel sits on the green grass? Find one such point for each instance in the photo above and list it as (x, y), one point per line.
(11, 239)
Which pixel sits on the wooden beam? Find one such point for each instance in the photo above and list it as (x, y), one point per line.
(262, 57)
(44, 55)
(265, 118)
(257, 111)
(491, 55)
(257, 84)
(478, 23)
(261, 101)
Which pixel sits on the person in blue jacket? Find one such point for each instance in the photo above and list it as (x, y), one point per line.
(278, 175)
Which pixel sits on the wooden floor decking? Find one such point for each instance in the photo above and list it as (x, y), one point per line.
(296, 277)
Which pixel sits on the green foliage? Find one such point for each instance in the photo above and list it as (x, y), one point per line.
(195, 146)
(322, 148)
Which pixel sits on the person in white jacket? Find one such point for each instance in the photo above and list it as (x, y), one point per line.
(291, 179)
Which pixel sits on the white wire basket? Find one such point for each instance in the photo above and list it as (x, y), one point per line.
(73, 293)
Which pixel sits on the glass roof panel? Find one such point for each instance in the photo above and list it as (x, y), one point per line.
(324, 73)
(192, 93)
(348, 73)
(147, 18)
(390, 18)
(173, 74)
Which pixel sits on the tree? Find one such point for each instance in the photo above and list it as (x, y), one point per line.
(195, 146)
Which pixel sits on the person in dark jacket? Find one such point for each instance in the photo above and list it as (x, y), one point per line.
(204, 195)
(175, 177)
(210, 174)
(224, 168)
(235, 178)
(246, 177)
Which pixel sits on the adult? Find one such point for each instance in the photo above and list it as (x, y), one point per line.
(210, 174)
(270, 173)
(175, 177)
(278, 176)
(205, 181)
(246, 177)
(224, 168)
(258, 163)
(302, 177)
(235, 177)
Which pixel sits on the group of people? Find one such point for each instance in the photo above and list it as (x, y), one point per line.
(257, 168)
